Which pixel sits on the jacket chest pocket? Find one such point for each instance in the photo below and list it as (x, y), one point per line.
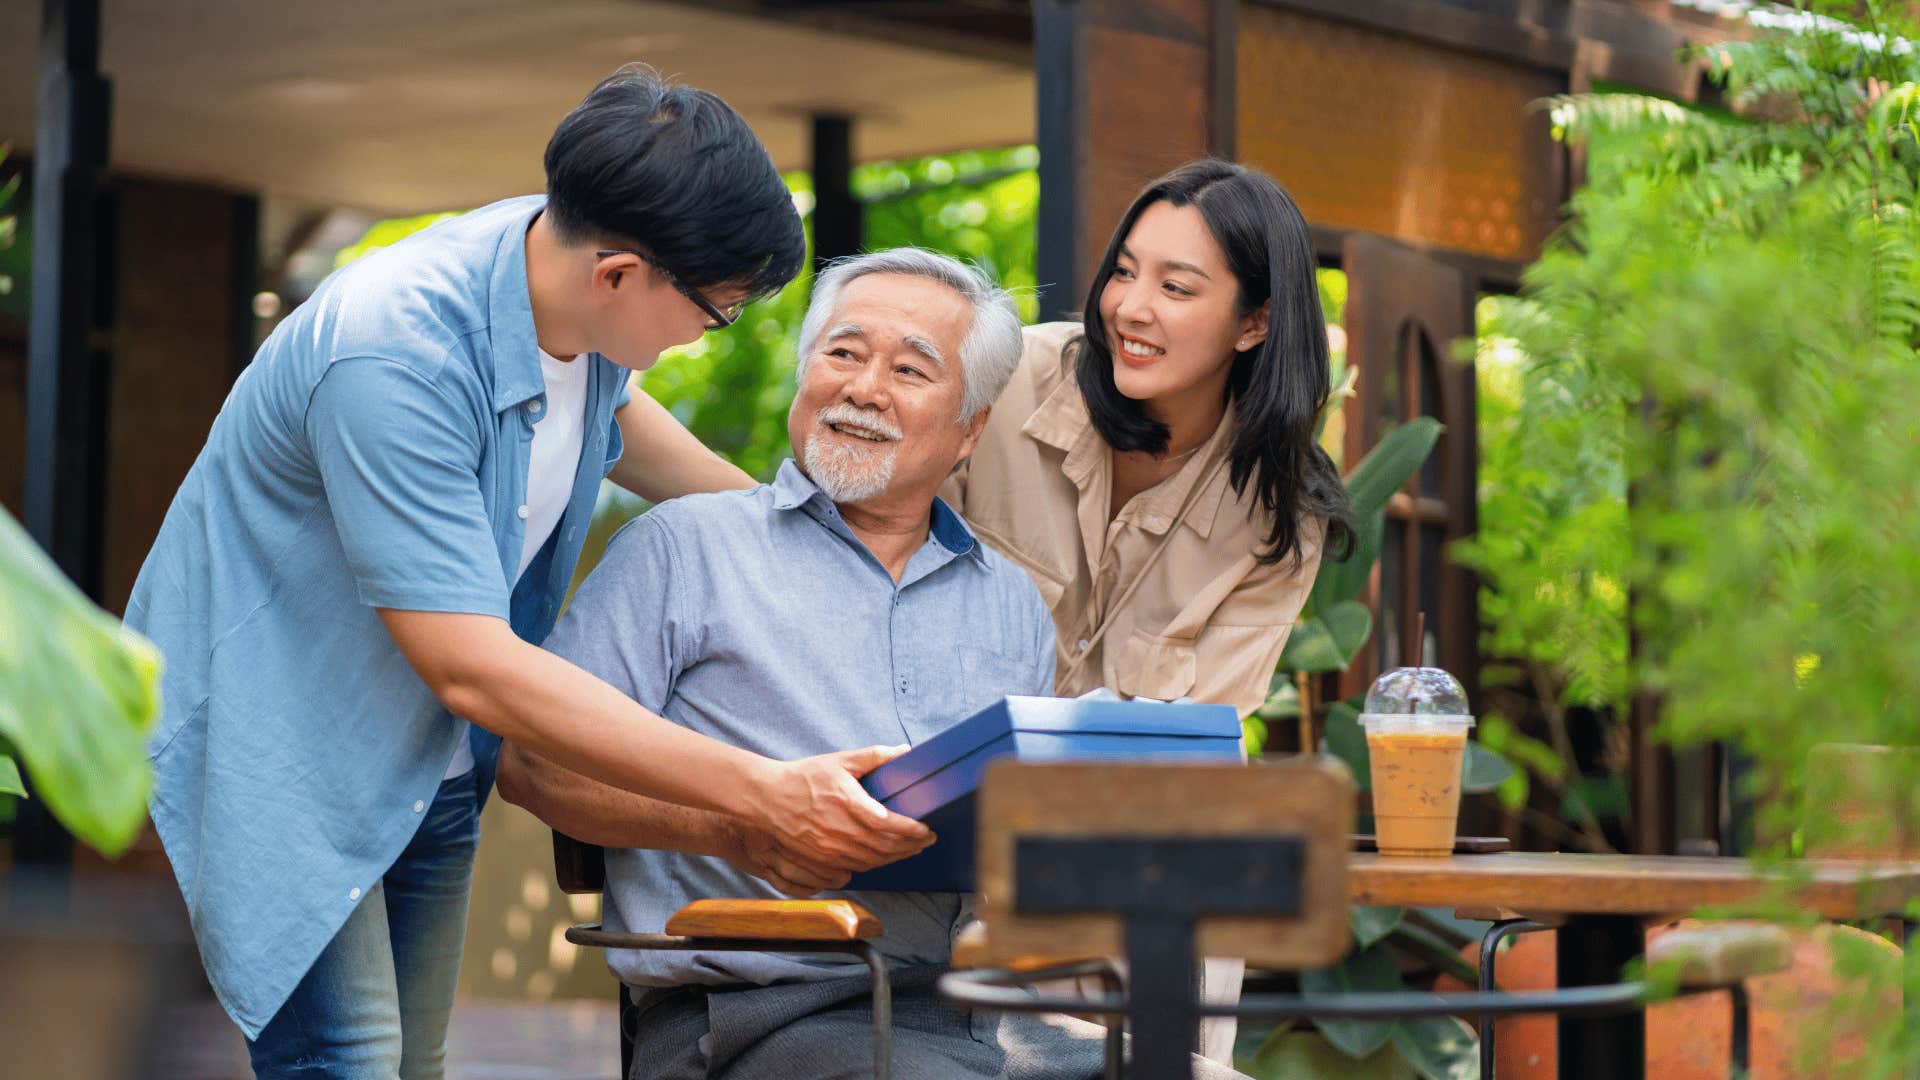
(1148, 665)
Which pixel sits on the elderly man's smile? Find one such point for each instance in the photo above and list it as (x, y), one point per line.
(852, 432)
(861, 425)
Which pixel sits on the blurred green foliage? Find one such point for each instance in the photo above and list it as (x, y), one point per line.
(15, 242)
(78, 695)
(384, 233)
(1727, 328)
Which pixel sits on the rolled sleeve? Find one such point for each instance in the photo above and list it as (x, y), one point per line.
(400, 462)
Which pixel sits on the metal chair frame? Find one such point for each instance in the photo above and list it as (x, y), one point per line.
(1000, 988)
(1489, 955)
(593, 936)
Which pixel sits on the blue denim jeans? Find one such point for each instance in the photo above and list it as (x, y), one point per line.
(375, 1004)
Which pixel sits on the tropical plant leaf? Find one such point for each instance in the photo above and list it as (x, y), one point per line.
(1294, 1055)
(1253, 732)
(1370, 971)
(1283, 698)
(1385, 470)
(1438, 1047)
(1370, 924)
(78, 693)
(1350, 623)
(1484, 770)
(1345, 579)
(10, 777)
(1391, 463)
(1345, 740)
(1311, 647)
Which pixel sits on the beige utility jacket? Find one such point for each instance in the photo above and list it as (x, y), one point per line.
(1167, 599)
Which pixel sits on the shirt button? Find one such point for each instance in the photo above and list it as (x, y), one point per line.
(419, 805)
(523, 512)
(1083, 645)
(533, 408)
(354, 895)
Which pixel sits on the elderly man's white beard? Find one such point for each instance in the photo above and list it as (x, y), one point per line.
(850, 473)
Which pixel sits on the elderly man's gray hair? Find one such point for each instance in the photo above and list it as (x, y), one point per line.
(988, 354)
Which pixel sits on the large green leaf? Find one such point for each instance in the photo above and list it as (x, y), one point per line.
(1368, 971)
(1385, 470)
(1350, 623)
(1344, 580)
(1438, 1047)
(1297, 1055)
(1485, 770)
(1391, 463)
(78, 693)
(1311, 647)
(1370, 924)
(10, 777)
(1345, 740)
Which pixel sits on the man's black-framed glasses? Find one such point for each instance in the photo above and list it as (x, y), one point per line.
(718, 318)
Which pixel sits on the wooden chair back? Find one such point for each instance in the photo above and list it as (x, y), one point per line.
(1166, 803)
(580, 868)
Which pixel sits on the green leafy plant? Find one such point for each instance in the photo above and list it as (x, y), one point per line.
(78, 694)
(1734, 302)
(78, 691)
(1334, 626)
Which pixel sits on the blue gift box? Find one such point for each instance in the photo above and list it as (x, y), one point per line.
(935, 781)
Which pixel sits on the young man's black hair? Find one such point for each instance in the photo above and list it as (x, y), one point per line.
(676, 172)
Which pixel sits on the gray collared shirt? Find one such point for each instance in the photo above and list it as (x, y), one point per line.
(757, 617)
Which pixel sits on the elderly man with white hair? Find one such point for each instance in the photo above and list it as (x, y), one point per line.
(840, 606)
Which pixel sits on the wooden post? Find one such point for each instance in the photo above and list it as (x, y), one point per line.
(1127, 90)
(1303, 684)
(837, 224)
(67, 375)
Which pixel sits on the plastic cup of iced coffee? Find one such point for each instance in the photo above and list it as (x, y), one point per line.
(1416, 724)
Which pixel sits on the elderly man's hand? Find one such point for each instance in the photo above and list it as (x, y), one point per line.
(816, 814)
(760, 855)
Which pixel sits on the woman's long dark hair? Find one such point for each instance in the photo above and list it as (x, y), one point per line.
(1277, 388)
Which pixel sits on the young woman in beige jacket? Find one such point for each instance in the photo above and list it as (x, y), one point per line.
(1154, 468)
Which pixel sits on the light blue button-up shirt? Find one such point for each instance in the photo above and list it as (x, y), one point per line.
(373, 455)
(757, 617)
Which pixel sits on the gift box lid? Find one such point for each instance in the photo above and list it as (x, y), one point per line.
(1058, 716)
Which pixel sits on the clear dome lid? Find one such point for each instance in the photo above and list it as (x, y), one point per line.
(1417, 691)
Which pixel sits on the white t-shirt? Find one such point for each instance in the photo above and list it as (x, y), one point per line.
(558, 436)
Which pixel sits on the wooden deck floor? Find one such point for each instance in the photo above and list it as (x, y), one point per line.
(489, 1040)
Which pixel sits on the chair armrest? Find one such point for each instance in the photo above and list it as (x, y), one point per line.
(793, 920)
(1721, 954)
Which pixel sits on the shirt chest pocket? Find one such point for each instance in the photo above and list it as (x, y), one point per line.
(1148, 665)
(987, 675)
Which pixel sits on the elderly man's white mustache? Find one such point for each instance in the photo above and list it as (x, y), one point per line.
(860, 423)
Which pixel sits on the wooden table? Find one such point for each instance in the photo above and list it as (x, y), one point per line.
(1559, 883)
(1605, 901)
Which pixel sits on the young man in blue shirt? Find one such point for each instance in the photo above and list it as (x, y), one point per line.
(351, 585)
